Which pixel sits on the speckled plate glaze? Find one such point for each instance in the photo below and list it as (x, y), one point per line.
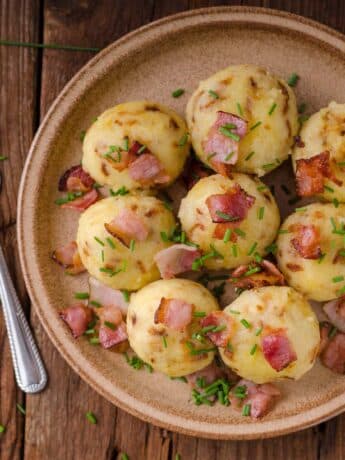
(150, 62)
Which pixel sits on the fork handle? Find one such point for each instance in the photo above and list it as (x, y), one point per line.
(28, 366)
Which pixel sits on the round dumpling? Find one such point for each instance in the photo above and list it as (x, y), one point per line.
(319, 155)
(162, 317)
(137, 144)
(311, 250)
(231, 219)
(275, 334)
(118, 238)
(256, 107)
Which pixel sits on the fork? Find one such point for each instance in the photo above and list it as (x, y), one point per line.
(28, 367)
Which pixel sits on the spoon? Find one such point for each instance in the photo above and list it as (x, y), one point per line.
(29, 370)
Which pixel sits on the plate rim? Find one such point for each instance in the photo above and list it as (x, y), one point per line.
(140, 409)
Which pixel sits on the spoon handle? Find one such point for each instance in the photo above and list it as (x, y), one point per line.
(28, 366)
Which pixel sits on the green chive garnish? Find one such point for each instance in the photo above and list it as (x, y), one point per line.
(335, 202)
(2, 158)
(81, 295)
(125, 294)
(328, 188)
(132, 245)
(226, 216)
(91, 418)
(95, 304)
(246, 410)
(226, 132)
(293, 79)
(234, 312)
(110, 325)
(227, 235)
(178, 92)
(142, 148)
(165, 344)
(248, 157)
(2, 429)
(341, 291)
(110, 242)
(126, 144)
(183, 141)
(252, 249)
(258, 331)
(21, 409)
(337, 279)
(272, 109)
(282, 231)
(213, 94)
(124, 456)
(332, 332)
(121, 191)
(256, 125)
(240, 232)
(82, 135)
(253, 349)
(245, 323)
(227, 158)
(239, 109)
(300, 209)
(98, 241)
(302, 107)
(199, 314)
(94, 341)
(261, 213)
(234, 250)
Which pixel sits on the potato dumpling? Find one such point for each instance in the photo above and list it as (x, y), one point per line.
(274, 328)
(268, 105)
(231, 218)
(170, 349)
(325, 132)
(311, 251)
(115, 145)
(118, 238)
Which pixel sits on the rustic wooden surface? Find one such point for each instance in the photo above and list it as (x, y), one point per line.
(55, 426)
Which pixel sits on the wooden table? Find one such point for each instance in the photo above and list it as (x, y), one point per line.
(55, 426)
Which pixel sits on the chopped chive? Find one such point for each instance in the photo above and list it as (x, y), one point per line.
(283, 230)
(226, 216)
(164, 237)
(3, 158)
(272, 248)
(91, 418)
(142, 148)
(82, 135)
(253, 349)
(226, 132)
(234, 250)
(89, 332)
(165, 344)
(110, 242)
(320, 259)
(211, 155)
(261, 188)
(126, 295)
(95, 304)
(258, 331)
(246, 410)
(234, 312)
(183, 141)
(248, 157)
(21, 409)
(303, 118)
(199, 314)
(341, 164)
(178, 92)
(257, 257)
(2, 429)
(213, 94)
(328, 188)
(272, 109)
(110, 325)
(110, 271)
(94, 341)
(302, 107)
(102, 255)
(269, 166)
(252, 249)
(337, 279)
(121, 191)
(81, 295)
(341, 291)
(177, 457)
(245, 323)
(98, 241)
(335, 202)
(301, 209)
(132, 245)
(227, 158)
(227, 235)
(124, 456)
(293, 79)
(251, 271)
(332, 332)
(181, 379)
(334, 225)
(256, 125)
(239, 109)
(126, 144)
(240, 232)
(261, 213)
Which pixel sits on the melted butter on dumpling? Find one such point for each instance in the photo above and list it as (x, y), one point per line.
(267, 103)
(124, 262)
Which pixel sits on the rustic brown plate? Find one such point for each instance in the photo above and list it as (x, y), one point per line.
(177, 51)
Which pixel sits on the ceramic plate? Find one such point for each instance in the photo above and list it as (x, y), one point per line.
(150, 62)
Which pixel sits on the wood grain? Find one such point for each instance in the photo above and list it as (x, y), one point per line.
(55, 425)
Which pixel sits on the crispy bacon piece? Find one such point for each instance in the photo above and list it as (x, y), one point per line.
(68, 257)
(335, 310)
(307, 241)
(176, 259)
(222, 168)
(277, 350)
(193, 172)
(174, 313)
(75, 179)
(112, 330)
(268, 276)
(222, 320)
(231, 207)
(82, 203)
(127, 226)
(224, 147)
(148, 170)
(332, 349)
(312, 172)
(77, 317)
(260, 398)
(106, 296)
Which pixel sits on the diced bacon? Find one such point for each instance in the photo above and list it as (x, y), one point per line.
(68, 257)
(332, 350)
(307, 241)
(222, 320)
(268, 276)
(82, 203)
(127, 226)
(109, 337)
(75, 179)
(148, 170)
(335, 310)
(176, 259)
(106, 296)
(225, 148)
(231, 207)
(277, 350)
(174, 313)
(260, 398)
(312, 172)
(193, 172)
(222, 168)
(77, 317)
